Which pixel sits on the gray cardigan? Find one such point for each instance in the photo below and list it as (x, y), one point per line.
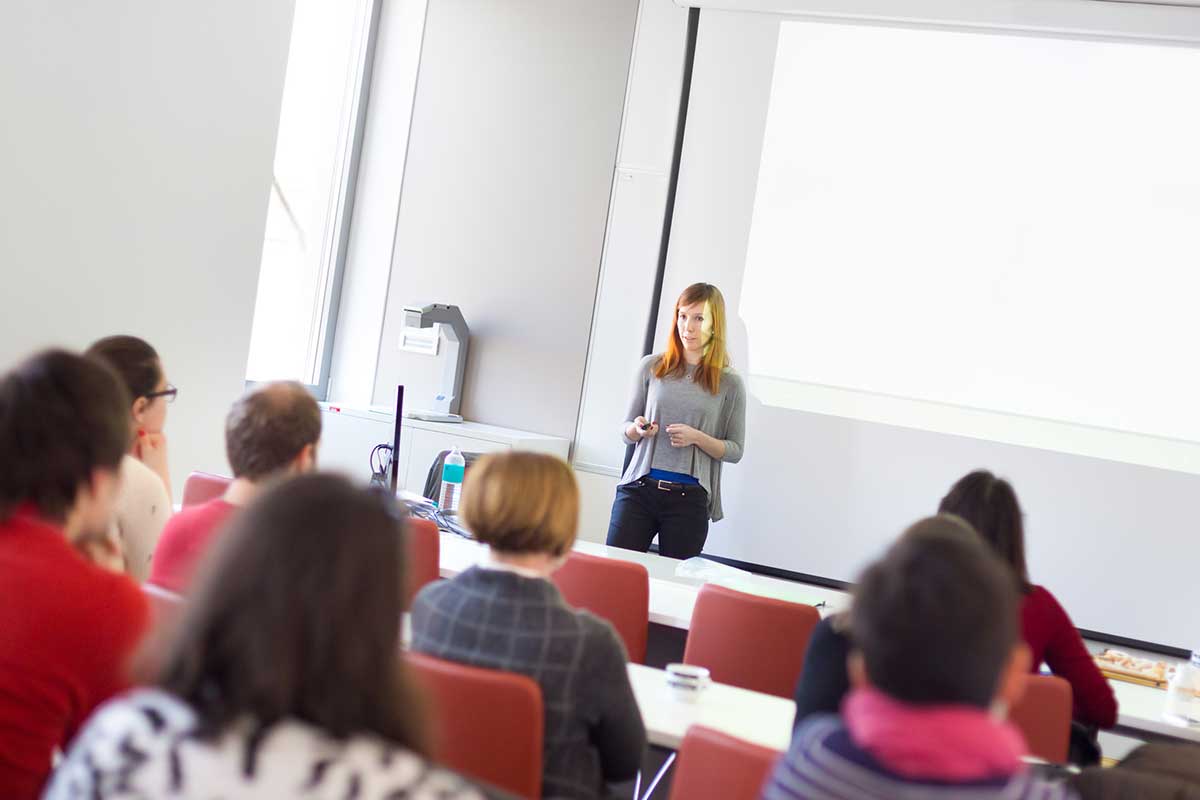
(679, 399)
(594, 733)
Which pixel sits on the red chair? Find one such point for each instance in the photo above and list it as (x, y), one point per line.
(1043, 714)
(200, 487)
(615, 590)
(166, 607)
(423, 553)
(749, 641)
(487, 724)
(713, 766)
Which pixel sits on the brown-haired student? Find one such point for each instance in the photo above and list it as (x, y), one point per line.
(67, 626)
(506, 614)
(284, 679)
(270, 432)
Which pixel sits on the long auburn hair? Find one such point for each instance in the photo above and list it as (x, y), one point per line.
(990, 505)
(716, 357)
(296, 614)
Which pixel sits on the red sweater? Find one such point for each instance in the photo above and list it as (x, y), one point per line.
(1053, 639)
(184, 541)
(67, 631)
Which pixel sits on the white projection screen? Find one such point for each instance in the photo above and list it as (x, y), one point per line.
(948, 249)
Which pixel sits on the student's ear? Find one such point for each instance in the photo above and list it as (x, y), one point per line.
(856, 670)
(139, 410)
(306, 459)
(1012, 678)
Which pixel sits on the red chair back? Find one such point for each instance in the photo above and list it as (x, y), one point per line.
(165, 610)
(423, 554)
(713, 766)
(200, 487)
(1043, 714)
(487, 724)
(615, 590)
(749, 641)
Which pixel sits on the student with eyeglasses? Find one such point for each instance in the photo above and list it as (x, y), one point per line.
(144, 503)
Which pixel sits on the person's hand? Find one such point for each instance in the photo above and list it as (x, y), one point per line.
(151, 450)
(636, 432)
(102, 550)
(683, 435)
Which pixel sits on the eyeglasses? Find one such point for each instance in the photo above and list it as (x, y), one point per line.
(170, 393)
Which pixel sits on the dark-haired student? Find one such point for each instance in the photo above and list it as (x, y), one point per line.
(990, 505)
(284, 678)
(931, 679)
(144, 502)
(506, 614)
(67, 626)
(270, 432)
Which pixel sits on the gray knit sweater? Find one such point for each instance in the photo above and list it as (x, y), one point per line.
(680, 399)
(594, 733)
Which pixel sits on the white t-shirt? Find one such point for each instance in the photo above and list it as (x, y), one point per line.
(142, 509)
(141, 745)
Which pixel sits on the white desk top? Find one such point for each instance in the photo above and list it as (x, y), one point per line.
(762, 719)
(1139, 710)
(671, 597)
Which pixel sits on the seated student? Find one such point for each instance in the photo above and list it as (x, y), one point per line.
(67, 627)
(270, 432)
(144, 502)
(285, 677)
(936, 655)
(507, 615)
(990, 505)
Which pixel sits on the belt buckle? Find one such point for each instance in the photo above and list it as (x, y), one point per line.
(664, 486)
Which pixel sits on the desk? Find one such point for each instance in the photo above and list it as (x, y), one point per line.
(1139, 713)
(672, 598)
(755, 717)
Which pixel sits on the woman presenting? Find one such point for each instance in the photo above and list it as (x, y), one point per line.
(687, 415)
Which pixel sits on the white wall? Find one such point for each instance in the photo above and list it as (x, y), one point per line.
(506, 190)
(135, 162)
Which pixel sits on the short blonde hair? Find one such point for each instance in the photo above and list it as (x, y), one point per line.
(519, 502)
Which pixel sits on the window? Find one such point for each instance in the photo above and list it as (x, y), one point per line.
(311, 194)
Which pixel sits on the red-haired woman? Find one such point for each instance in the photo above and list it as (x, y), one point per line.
(686, 417)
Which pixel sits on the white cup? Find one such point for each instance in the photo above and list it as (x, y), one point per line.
(687, 682)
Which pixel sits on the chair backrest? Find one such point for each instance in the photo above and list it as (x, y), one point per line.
(166, 607)
(750, 641)
(714, 766)
(423, 553)
(487, 724)
(200, 487)
(1043, 714)
(618, 591)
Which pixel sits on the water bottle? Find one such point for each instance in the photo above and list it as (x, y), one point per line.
(1181, 693)
(453, 469)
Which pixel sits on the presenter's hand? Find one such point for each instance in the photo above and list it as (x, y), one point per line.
(636, 431)
(683, 435)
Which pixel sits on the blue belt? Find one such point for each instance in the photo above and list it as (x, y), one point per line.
(672, 477)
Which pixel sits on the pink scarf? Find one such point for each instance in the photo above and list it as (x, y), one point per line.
(937, 742)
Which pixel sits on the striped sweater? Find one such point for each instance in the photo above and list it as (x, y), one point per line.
(824, 763)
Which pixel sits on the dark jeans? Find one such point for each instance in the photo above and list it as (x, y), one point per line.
(677, 512)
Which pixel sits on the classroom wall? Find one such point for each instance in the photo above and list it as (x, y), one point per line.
(505, 197)
(135, 161)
